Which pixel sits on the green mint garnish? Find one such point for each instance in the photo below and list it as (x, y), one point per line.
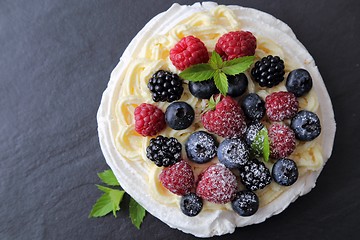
(260, 145)
(217, 69)
(111, 199)
(137, 213)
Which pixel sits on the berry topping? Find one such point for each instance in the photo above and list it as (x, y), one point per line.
(299, 82)
(200, 147)
(236, 44)
(282, 140)
(237, 84)
(251, 131)
(179, 115)
(269, 71)
(245, 203)
(281, 105)
(233, 153)
(217, 184)
(187, 52)
(165, 86)
(149, 120)
(306, 125)
(178, 178)
(164, 151)
(285, 172)
(191, 205)
(255, 175)
(203, 89)
(253, 107)
(227, 120)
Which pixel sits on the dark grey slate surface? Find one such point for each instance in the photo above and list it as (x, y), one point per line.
(56, 58)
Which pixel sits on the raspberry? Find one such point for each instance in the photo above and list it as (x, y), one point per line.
(282, 140)
(178, 178)
(187, 52)
(281, 105)
(149, 120)
(236, 44)
(227, 120)
(217, 184)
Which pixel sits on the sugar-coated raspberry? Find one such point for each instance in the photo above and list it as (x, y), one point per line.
(281, 105)
(227, 120)
(282, 140)
(236, 44)
(178, 178)
(217, 184)
(187, 52)
(149, 120)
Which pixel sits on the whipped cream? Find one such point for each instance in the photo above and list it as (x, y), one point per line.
(125, 150)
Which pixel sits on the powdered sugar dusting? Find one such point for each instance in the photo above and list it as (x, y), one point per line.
(282, 140)
(281, 105)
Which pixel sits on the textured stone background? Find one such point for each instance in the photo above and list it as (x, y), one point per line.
(56, 58)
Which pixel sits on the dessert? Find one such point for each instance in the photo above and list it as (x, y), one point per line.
(175, 172)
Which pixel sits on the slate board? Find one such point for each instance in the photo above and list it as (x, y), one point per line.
(56, 58)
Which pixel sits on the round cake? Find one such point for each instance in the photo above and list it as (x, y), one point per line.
(204, 192)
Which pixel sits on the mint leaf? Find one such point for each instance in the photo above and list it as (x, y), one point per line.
(137, 213)
(237, 65)
(221, 82)
(212, 103)
(102, 206)
(198, 73)
(109, 201)
(266, 149)
(215, 61)
(260, 145)
(109, 178)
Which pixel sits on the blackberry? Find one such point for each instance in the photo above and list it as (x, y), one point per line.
(165, 86)
(191, 205)
(164, 151)
(245, 203)
(255, 175)
(269, 71)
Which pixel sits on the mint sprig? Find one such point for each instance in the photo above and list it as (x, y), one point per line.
(260, 146)
(111, 199)
(217, 69)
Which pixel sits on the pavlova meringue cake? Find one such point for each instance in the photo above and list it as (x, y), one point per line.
(137, 117)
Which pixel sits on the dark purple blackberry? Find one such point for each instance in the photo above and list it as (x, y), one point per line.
(165, 86)
(190, 204)
(255, 175)
(164, 151)
(245, 203)
(269, 71)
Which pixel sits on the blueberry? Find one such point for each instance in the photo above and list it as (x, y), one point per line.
(251, 131)
(285, 172)
(237, 84)
(306, 125)
(200, 147)
(245, 203)
(299, 82)
(179, 115)
(253, 107)
(233, 153)
(191, 204)
(204, 89)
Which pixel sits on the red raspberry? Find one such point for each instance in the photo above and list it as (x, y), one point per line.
(178, 178)
(281, 105)
(217, 184)
(227, 120)
(236, 44)
(282, 140)
(149, 120)
(188, 51)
